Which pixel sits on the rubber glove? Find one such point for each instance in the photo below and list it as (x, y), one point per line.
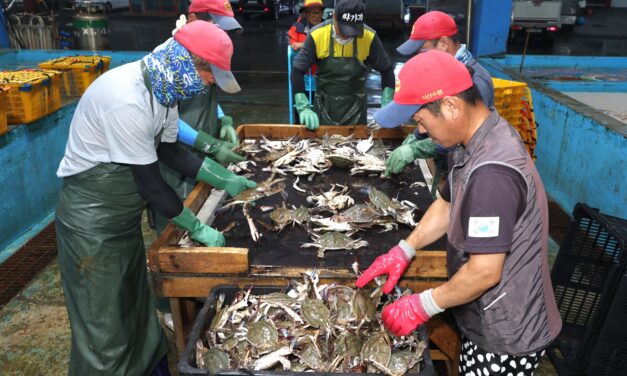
(306, 115)
(221, 150)
(406, 314)
(215, 174)
(227, 132)
(198, 231)
(207, 144)
(386, 96)
(409, 151)
(392, 263)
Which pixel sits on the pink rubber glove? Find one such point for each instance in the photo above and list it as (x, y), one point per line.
(392, 263)
(404, 315)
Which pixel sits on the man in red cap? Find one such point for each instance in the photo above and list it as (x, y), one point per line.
(216, 11)
(123, 126)
(435, 30)
(203, 125)
(494, 212)
(343, 49)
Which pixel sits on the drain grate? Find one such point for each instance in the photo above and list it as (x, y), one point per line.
(18, 270)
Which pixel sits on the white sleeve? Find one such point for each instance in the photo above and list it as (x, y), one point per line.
(130, 135)
(171, 126)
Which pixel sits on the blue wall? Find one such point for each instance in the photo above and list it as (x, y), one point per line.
(30, 155)
(581, 152)
(490, 27)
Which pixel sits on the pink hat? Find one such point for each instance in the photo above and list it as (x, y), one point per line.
(213, 45)
(220, 11)
(429, 26)
(425, 78)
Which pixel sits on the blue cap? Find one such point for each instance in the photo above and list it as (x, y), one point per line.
(410, 47)
(394, 114)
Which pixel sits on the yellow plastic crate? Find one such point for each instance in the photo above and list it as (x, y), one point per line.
(513, 101)
(4, 94)
(507, 93)
(79, 71)
(34, 94)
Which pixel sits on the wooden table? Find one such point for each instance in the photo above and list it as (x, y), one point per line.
(184, 274)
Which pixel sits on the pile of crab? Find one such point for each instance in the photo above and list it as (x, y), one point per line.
(309, 157)
(332, 217)
(322, 328)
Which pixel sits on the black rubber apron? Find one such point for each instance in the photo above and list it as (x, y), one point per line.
(115, 330)
(341, 89)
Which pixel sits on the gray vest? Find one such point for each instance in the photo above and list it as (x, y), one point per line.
(518, 316)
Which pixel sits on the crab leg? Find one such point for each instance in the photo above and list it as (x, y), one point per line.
(296, 187)
(251, 225)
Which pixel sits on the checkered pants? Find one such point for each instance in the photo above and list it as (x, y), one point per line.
(474, 361)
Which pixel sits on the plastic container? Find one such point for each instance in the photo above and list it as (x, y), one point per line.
(588, 275)
(4, 98)
(513, 101)
(79, 71)
(34, 94)
(508, 94)
(187, 362)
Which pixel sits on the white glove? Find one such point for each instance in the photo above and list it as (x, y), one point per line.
(182, 21)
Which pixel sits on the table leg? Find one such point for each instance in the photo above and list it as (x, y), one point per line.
(183, 315)
(447, 339)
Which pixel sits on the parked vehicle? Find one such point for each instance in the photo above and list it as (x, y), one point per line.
(571, 9)
(535, 17)
(108, 5)
(272, 8)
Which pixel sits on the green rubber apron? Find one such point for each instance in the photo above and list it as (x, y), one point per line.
(341, 89)
(115, 330)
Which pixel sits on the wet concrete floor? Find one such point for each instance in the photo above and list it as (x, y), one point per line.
(34, 329)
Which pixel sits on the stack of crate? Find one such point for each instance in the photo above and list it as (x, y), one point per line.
(4, 98)
(78, 72)
(513, 101)
(33, 95)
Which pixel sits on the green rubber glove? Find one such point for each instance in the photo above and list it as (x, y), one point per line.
(220, 150)
(198, 231)
(227, 131)
(306, 115)
(386, 96)
(215, 174)
(410, 150)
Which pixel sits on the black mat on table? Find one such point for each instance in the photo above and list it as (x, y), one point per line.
(283, 248)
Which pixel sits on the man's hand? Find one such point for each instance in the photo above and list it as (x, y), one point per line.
(393, 264)
(227, 130)
(306, 115)
(404, 315)
(198, 231)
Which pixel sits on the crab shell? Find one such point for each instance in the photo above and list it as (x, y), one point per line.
(262, 335)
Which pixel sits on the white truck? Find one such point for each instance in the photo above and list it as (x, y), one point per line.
(536, 17)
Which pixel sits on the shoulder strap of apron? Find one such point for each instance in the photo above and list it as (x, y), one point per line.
(147, 83)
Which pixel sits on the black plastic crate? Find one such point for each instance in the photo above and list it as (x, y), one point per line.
(187, 362)
(585, 279)
(609, 356)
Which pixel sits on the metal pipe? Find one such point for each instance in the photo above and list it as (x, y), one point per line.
(468, 23)
(522, 60)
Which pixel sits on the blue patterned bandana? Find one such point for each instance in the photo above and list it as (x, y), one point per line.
(172, 73)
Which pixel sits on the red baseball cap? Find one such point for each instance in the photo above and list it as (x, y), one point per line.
(220, 11)
(212, 44)
(429, 26)
(425, 78)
